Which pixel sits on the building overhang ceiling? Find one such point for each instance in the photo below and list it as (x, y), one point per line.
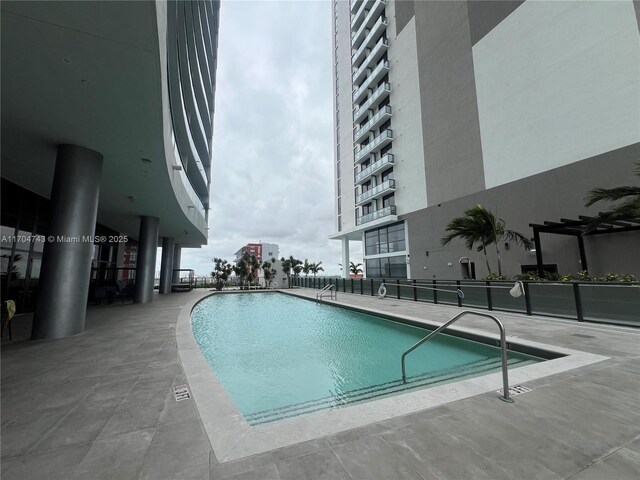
(88, 73)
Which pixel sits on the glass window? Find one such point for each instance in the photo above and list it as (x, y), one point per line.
(398, 267)
(373, 268)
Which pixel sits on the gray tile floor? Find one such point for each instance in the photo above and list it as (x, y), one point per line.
(100, 405)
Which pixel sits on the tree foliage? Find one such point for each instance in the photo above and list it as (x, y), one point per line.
(479, 227)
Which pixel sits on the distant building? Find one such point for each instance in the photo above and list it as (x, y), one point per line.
(265, 251)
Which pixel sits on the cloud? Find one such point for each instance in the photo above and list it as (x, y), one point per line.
(273, 159)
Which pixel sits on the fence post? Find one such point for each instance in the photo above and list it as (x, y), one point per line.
(435, 292)
(351, 285)
(489, 299)
(458, 296)
(398, 289)
(344, 285)
(415, 291)
(372, 294)
(361, 289)
(527, 298)
(576, 295)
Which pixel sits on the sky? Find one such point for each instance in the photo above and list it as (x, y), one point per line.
(273, 161)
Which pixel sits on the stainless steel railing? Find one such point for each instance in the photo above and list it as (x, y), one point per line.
(503, 347)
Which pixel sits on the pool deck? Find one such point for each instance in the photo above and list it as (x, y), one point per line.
(101, 405)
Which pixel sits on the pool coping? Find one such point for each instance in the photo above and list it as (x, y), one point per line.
(232, 438)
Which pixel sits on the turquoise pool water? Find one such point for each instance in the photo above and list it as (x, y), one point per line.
(279, 356)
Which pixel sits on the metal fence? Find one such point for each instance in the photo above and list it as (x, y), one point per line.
(616, 303)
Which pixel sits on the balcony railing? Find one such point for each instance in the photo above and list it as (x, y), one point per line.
(356, 18)
(360, 34)
(374, 167)
(355, 4)
(370, 217)
(377, 52)
(376, 97)
(378, 119)
(373, 77)
(376, 30)
(377, 191)
(380, 141)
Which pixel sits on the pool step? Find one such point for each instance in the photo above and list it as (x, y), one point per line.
(380, 390)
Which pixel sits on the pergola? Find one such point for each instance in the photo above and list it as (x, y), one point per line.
(579, 229)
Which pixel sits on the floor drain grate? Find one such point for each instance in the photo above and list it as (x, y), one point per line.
(516, 390)
(581, 335)
(181, 392)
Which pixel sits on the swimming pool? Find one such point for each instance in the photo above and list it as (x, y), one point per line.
(278, 356)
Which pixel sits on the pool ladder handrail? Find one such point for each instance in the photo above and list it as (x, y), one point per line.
(503, 348)
(328, 288)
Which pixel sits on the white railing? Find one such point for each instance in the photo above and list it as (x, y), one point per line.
(384, 212)
(376, 96)
(371, 124)
(377, 9)
(375, 30)
(389, 185)
(374, 167)
(377, 142)
(373, 56)
(374, 76)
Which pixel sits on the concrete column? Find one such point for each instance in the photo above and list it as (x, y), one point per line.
(177, 253)
(146, 264)
(66, 260)
(166, 265)
(345, 257)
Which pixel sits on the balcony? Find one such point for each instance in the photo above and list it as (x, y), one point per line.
(361, 13)
(369, 21)
(370, 217)
(374, 77)
(376, 31)
(377, 191)
(378, 119)
(374, 100)
(374, 56)
(378, 143)
(374, 168)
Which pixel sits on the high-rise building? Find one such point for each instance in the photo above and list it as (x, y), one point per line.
(107, 126)
(520, 106)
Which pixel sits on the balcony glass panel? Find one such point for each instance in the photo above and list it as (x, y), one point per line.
(375, 75)
(373, 168)
(374, 56)
(376, 97)
(377, 143)
(376, 120)
(369, 21)
(377, 28)
(376, 191)
(384, 212)
(361, 13)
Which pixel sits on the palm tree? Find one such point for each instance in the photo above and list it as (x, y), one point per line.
(315, 268)
(268, 272)
(479, 225)
(628, 209)
(306, 267)
(355, 268)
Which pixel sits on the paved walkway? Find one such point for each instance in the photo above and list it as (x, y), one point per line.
(100, 405)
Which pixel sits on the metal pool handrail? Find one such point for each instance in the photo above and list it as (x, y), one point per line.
(503, 348)
(329, 288)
